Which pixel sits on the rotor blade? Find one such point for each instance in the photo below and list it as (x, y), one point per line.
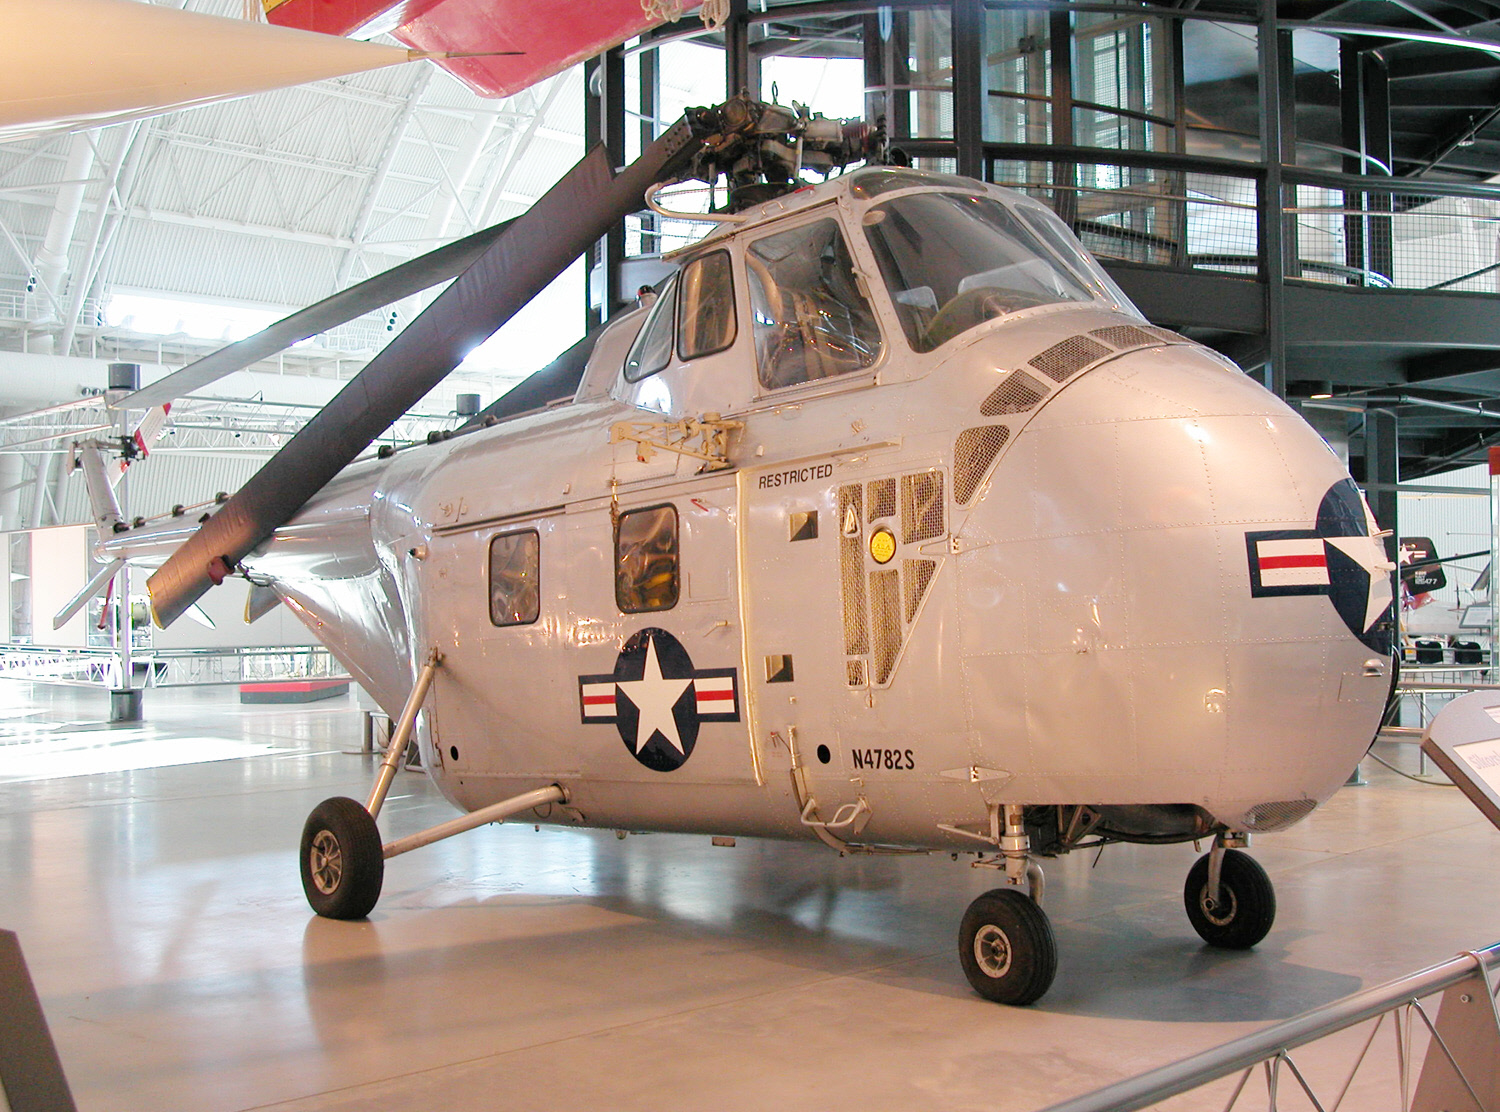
(400, 281)
(574, 214)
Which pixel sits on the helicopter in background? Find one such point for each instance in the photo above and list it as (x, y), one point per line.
(886, 523)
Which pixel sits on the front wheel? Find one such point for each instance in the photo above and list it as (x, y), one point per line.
(1006, 947)
(343, 864)
(1245, 909)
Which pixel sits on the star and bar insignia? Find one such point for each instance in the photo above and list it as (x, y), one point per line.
(1339, 557)
(657, 699)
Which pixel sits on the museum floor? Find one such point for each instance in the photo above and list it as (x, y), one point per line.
(161, 914)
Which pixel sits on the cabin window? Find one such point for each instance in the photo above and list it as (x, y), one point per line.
(515, 578)
(811, 319)
(706, 318)
(646, 564)
(652, 349)
(953, 261)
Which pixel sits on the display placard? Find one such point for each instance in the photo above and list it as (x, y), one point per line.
(1464, 741)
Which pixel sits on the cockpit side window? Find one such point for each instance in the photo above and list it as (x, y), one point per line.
(952, 261)
(706, 318)
(1057, 236)
(652, 349)
(810, 319)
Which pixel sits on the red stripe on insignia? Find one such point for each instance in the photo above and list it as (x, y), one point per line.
(721, 696)
(1293, 562)
(598, 700)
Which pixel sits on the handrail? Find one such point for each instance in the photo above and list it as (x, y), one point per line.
(1166, 1081)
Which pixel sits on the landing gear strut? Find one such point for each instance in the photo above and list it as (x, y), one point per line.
(1005, 941)
(1229, 897)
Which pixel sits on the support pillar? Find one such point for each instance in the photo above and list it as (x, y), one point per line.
(1272, 200)
(969, 86)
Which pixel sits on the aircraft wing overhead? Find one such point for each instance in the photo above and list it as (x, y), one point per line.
(553, 36)
(73, 64)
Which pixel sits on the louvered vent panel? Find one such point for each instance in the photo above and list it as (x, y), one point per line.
(1124, 336)
(922, 506)
(856, 673)
(973, 452)
(1063, 360)
(882, 499)
(915, 577)
(1166, 334)
(885, 613)
(1016, 394)
(852, 571)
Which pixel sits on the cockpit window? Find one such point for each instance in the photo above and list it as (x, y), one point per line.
(811, 321)
(953, 261)
(652, 349)
(872, 182)
(706, 320)
(1055, 234)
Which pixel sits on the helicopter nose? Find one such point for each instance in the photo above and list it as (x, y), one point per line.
(1170, 577)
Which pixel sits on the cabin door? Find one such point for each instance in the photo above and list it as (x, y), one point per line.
(799, 671)
(656, 643)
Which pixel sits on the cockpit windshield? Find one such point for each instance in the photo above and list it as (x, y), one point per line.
(952, 261)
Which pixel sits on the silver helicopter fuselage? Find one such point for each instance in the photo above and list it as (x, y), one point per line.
(980, 549)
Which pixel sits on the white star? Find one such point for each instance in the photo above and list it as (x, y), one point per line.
(1408, 554)
(1369, 553)
(654, 696)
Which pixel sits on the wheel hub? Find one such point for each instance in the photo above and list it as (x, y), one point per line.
(992, 951)
(327, 861)
(1220, 912)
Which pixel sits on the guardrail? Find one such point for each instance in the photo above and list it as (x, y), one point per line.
(1185, 211)
(170, 667)
(1459, 1069)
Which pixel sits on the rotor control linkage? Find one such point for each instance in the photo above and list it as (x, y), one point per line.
(402, 734)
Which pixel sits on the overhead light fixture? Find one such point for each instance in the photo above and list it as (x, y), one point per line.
(1314, 389)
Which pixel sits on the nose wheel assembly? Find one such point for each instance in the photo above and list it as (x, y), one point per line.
(1005, 940)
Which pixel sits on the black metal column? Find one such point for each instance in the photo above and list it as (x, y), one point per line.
(1272, 200)
(1064, 175)
(969, 86)
(737, 49)
(1376, 86)
(650, 101)
(1352, 136)
(1382, 472)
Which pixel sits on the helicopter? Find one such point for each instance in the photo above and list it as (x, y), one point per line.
(884, 523)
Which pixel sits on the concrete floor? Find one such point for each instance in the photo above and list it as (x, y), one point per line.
(163, 920)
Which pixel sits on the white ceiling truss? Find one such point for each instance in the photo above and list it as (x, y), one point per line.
(269, 202)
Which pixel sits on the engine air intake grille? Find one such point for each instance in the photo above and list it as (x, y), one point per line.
(852, 570)
(856, 672)
(1063, 360)
(1167, 334)
(885, 606)
(882, 499)
(922, 506)
(973, 452)
(1125, 336)
(1018, 393)
(916, 575)
(1276, 816)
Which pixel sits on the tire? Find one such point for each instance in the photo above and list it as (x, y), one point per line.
(343, 865)
(1006, 947)
(1247, 902)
